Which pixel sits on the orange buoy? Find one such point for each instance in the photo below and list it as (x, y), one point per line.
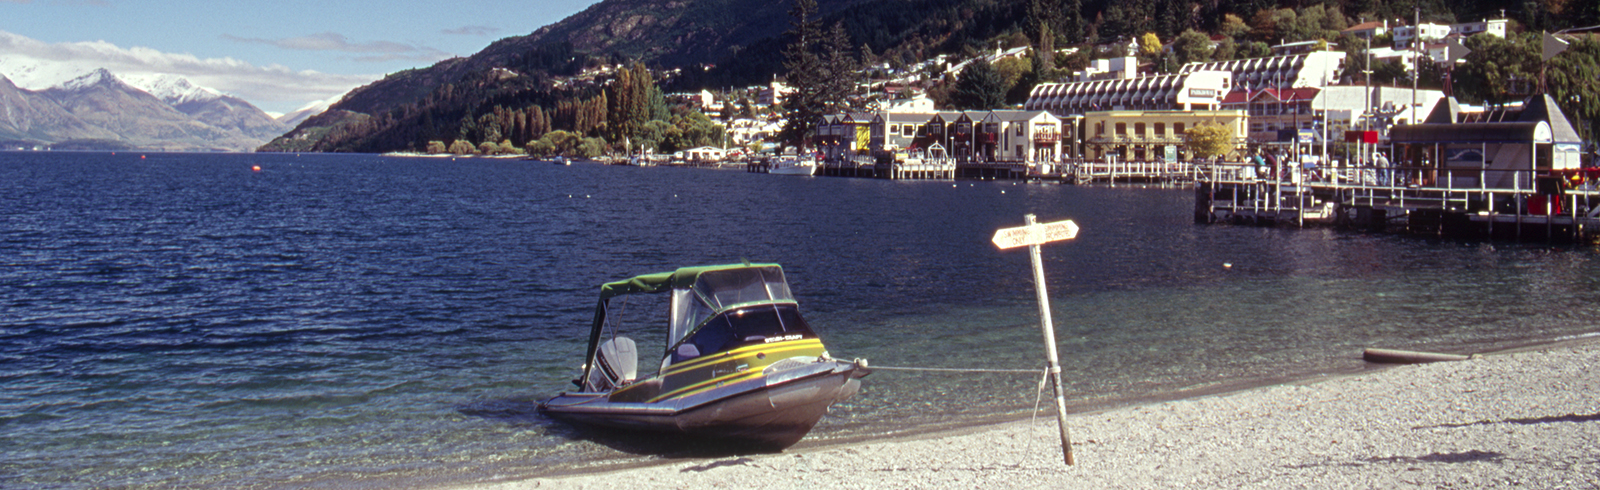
(255, 168)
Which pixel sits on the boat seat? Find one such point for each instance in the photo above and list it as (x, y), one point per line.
(616, 364)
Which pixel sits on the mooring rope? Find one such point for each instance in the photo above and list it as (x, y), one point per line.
(1038, 394)
(954, 370)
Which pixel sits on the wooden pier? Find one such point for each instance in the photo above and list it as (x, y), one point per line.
(929, 169)
(1419, 201)
(1113, 172)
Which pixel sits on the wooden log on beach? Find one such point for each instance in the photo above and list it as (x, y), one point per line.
(1392, 356)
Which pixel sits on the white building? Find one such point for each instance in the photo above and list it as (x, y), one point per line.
(1316, 69)
(705, 154)
(1196, 90)
(1431, 33)
(1106, 69)
(773, 93)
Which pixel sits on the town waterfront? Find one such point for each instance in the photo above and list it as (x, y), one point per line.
(355, 320)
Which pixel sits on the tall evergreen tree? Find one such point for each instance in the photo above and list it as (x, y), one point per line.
(979, 87)
(1042, 18)
(842, 71)
(629, 99)
(805, 74)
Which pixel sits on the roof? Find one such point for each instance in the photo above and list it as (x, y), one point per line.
(1282, 94)
(1544, 108)
(661, 282)
(1513, 132)
(1364, 26)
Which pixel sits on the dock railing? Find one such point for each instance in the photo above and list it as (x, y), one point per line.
(1134, 171)
(1519, 197)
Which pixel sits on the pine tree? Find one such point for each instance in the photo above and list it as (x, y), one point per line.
(804, 103)
(843, 72)
(979, 87)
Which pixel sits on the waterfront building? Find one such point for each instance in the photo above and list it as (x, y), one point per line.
(1151, 135)
(1197, 90)
(704, 154)
(1019, 136)
(966, 136)
(1284, 116)
(844, 136)
(1494, 149)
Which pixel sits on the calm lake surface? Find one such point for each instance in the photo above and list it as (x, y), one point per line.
(362, 321)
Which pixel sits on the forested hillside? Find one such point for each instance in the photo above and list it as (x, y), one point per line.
(718, 44)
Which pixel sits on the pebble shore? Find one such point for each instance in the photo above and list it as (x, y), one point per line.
(1517, 419)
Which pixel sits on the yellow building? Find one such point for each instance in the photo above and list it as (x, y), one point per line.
(1146, 135)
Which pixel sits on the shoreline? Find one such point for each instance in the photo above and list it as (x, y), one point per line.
(1474, 422)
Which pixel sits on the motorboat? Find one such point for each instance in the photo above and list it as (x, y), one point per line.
(791, 165)
(561, 160)
(740, 365)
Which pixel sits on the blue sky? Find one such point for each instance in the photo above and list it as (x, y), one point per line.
(258, 50)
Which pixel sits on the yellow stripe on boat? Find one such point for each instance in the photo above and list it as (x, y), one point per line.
(774, 352)
(710, 384)
(770, 349)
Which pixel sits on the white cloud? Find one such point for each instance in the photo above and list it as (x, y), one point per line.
(331, 41)
(272, 85)
(471, 31)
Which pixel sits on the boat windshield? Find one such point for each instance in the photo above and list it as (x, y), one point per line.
(744, 326)
(718, 290)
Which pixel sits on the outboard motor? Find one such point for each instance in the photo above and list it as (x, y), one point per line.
(616, 364)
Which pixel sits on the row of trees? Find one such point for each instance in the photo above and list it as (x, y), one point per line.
(630, 114)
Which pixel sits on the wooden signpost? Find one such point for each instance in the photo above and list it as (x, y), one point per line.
(1034, 234)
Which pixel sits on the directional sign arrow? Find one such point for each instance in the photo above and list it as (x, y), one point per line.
(1455, 51)
(1551, 45)
(1035, 234)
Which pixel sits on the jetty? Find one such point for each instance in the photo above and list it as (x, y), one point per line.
(1501, 175)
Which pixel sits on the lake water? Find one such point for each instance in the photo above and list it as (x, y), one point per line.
(362, 321)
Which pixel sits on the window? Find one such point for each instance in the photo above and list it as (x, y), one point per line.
(894, 128)
(1122, 129)
(1138, 129)
(1161, 129)
(745, 326)
(1020, 127)
(910, 130)
(1177, 128)
(1100, 128)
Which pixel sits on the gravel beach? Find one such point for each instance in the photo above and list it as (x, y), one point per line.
(1528, 418)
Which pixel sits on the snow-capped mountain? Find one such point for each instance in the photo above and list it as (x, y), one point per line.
(293, 119)
(31, 74)
(28, 116)
(172, 89)
(159, 111)
(209, 105)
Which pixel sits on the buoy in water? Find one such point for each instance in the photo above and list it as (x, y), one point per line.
(1227, 265)
(255, 168)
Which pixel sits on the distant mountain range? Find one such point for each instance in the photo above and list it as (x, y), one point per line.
(100, 110)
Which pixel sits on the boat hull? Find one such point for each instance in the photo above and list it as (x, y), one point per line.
(792, 170)
(769, 413)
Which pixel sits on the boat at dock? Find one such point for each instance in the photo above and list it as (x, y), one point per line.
(740, 365)
(792, 165)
